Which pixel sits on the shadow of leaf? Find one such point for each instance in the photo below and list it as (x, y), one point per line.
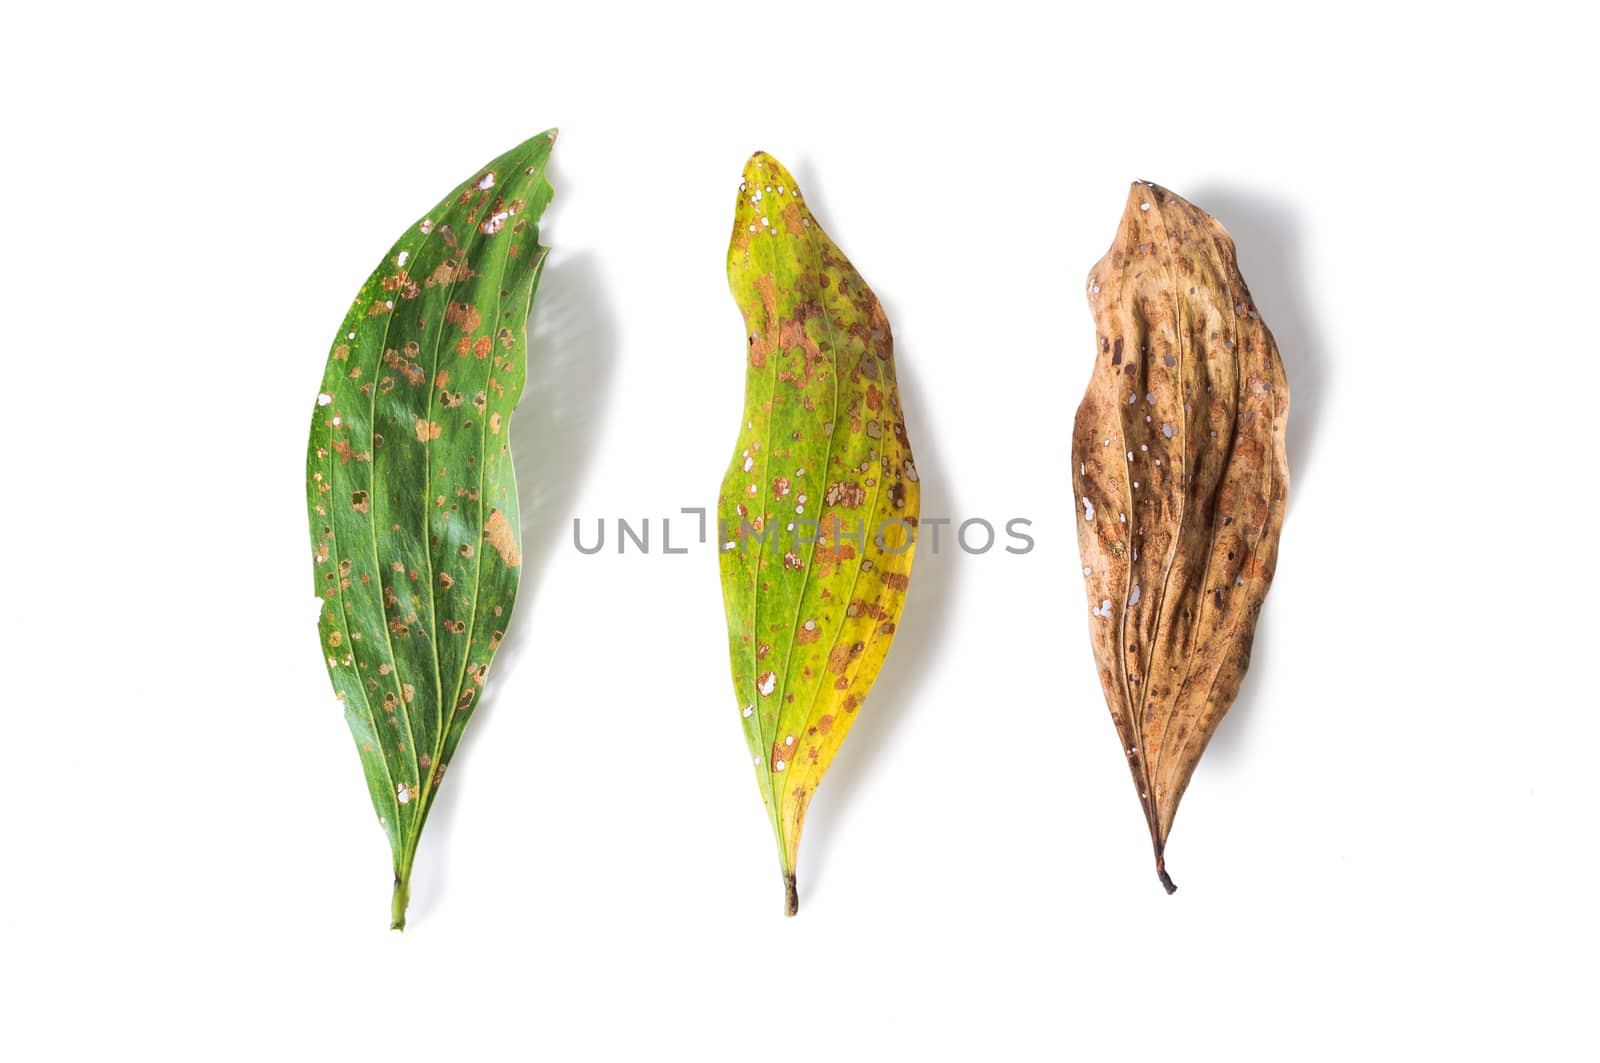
(918, 640)
(571, 356)
(1266, 236)
(922, 630)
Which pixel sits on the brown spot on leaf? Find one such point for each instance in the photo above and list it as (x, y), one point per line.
(843, 655)
(793, 220)
(831, 548)
(448, 272)
(498, 534)
(346, 454)
(464, 316)
(846, 494)
(401, 362)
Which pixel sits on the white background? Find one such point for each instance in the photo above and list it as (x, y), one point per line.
(1387, 850)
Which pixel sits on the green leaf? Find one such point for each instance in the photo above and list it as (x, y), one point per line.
(819, 506)
(412, 499)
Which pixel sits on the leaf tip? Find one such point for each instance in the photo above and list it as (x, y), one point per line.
(1144, 195)
(761, 170)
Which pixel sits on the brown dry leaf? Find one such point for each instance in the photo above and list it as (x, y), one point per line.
(1181, 480)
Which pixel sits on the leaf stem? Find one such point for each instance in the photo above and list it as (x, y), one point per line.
(401, 901)
(791, 894)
